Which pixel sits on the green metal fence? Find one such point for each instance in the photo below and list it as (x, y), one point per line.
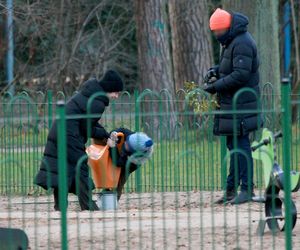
(168, 202)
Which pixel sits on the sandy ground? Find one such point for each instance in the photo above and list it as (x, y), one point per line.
(147, 221)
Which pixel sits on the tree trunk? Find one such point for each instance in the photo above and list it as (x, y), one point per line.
(155, 65)
(153, 45)
(263, 24)
(191, 40)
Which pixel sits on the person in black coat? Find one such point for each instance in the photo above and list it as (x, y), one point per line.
(78, 179)
(237, 69)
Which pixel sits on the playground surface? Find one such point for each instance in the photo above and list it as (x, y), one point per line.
(167, 220)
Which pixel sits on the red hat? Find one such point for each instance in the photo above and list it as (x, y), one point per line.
(220, 19)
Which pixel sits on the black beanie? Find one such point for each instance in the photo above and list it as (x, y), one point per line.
(111, 82)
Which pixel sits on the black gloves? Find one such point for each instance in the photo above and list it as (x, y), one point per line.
(211, 73)
(211, 76)
(209, 88)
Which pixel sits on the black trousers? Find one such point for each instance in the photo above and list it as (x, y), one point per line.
(84, 193)
(244, 164)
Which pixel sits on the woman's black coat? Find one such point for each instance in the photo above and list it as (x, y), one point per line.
(238, 68)
(47, 176)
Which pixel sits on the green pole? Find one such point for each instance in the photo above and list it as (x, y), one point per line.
(137, 128)
(50, 102)
(286, 128)
(62, 171)
(223, 165)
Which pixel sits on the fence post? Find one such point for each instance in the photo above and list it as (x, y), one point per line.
(138, 177)
(50, 108)
(287, 128)
(62, 171)
(223, 165)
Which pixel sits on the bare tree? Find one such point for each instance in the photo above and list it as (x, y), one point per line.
(62, 43)
(155, 62)
(263, 17)
(153, 45)
(191, 40)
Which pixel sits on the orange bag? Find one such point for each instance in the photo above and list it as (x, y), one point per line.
(104, 173)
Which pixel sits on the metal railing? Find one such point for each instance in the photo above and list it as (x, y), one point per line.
(168, 202)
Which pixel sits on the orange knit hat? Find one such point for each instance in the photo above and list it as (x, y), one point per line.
(220, 19)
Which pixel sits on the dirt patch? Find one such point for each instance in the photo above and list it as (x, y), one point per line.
(150, 220)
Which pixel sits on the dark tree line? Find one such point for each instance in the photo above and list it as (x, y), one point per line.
(154, 43)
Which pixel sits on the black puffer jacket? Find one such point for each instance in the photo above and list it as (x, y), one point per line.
(238, 68)
(47, 177)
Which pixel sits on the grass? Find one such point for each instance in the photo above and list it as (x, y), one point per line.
(191, 162)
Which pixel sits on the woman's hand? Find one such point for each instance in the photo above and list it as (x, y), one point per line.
(111, 143)
(112, 140)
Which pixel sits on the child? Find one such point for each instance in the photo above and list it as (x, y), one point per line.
(137, 148)
(47, 177)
